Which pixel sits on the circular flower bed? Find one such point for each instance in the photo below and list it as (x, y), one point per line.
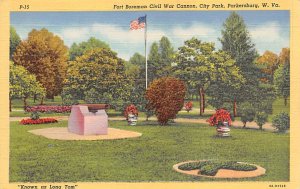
(37, 121)
(219, 169)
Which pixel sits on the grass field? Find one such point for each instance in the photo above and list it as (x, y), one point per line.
(147, 158)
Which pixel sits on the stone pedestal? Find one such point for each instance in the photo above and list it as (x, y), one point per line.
(84, 122)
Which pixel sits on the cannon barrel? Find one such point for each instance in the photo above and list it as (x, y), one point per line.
(95, 107)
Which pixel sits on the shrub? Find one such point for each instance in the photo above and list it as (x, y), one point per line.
(35, 115)
(166, 98)
(247, 112)
(261, 118)
(219, 117)
(188, 106)
(281, 122)
(131, 109)
(37, 121)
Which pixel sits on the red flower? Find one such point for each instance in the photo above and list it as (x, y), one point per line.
(188, 106)
(221, 115)
(131, 109)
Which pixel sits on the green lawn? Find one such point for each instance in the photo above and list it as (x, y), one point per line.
(147, 158)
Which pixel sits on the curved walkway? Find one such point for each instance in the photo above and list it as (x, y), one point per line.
(237, 124)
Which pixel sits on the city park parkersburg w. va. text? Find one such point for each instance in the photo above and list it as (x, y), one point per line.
(188, 90)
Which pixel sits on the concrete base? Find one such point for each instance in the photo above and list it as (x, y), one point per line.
(83, 122)
(62, 133)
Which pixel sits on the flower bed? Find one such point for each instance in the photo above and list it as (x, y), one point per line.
(37, 121)
(211, 168)
(49, 109)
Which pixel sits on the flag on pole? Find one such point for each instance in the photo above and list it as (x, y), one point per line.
(138, 23)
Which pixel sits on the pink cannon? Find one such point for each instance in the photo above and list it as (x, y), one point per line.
(88, 119)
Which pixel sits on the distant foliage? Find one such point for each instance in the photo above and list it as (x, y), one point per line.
(268, 63)
(166, 98)
(281, 122)
(77, 50)
(219, 117)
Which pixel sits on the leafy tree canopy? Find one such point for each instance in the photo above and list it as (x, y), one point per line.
(98, 76)
(79, 49)
(22, 84)
(44, 55)
(14, 41)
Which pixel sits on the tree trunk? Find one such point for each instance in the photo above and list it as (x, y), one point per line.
(42, 101)
(201, 101)
(25, 102)
(34, 97)
(234, 108)
(285, 101)
(10, 104)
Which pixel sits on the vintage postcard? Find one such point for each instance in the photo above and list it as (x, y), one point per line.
(149, 94)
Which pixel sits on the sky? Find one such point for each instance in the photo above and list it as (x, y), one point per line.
(269, 30)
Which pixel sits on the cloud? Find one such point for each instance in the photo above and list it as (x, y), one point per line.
(195, 30)
(74, 33)
(268, 32)
(269, 36)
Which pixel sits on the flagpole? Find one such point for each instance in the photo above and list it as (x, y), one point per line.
(145, 35)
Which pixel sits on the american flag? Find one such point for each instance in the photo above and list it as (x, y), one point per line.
(138, 23)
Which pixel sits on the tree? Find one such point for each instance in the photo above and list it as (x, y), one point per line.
(282, 75)
(98, 76)
(14, 41)
(282, 82)
(237, 41)
(261, 118)
(281, 121)
(22, 84)
(153, 62)
(247, 113)
(167, 54)
(166, 98)
(201, 67)
(44, 55)
(160, 59)
(269, 62)
(284, 56)
(79, 49)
